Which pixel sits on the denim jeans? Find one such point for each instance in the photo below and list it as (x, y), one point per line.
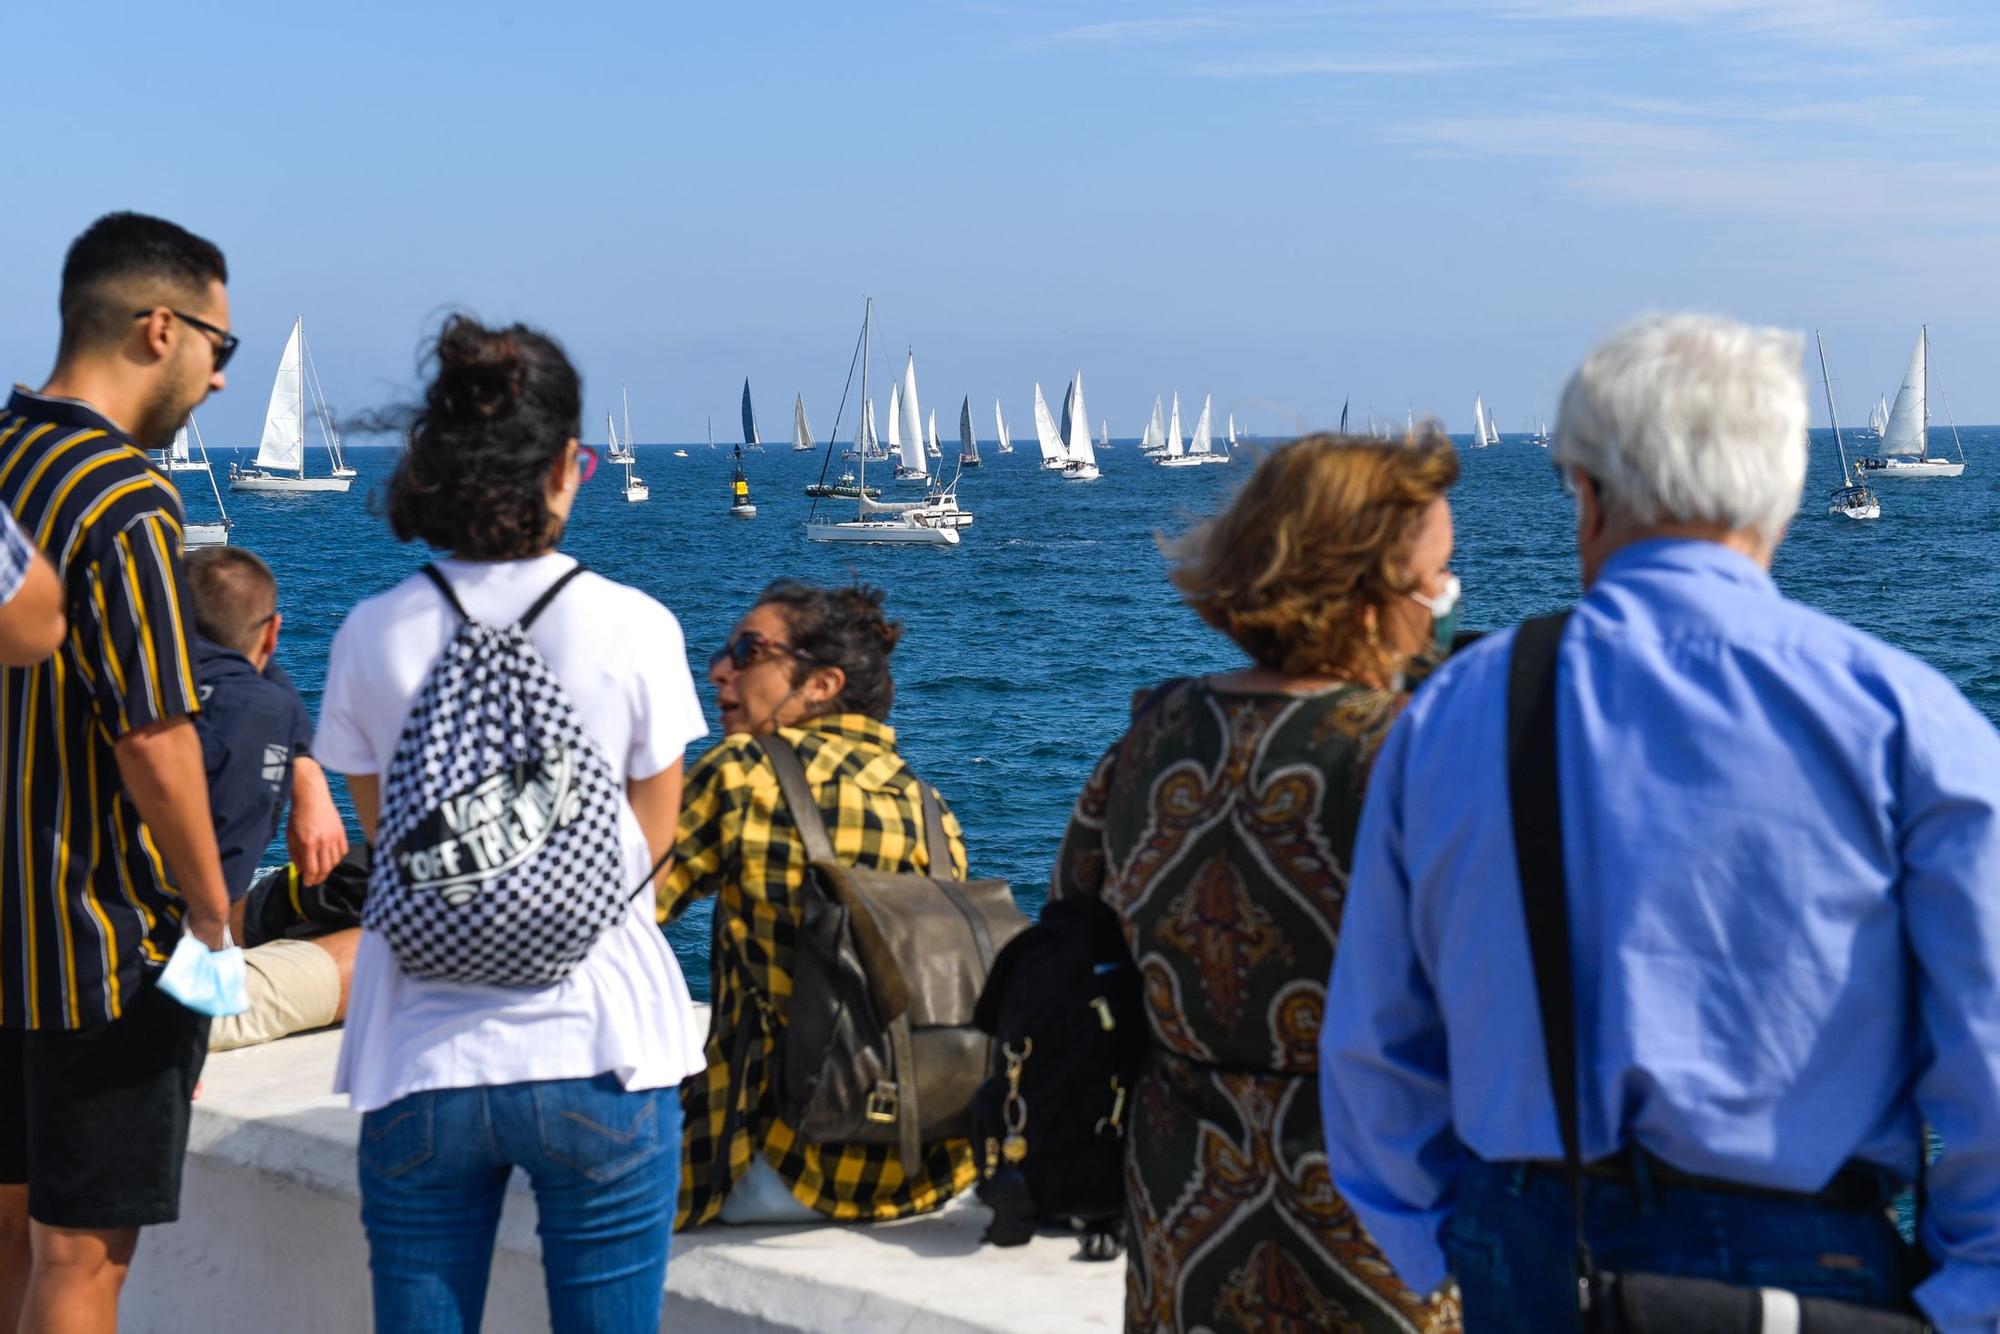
(1511, 1244)
(605, 1167)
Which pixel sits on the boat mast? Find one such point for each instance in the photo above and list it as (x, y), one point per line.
(861, 450)
(626, 399)
(1826, 382)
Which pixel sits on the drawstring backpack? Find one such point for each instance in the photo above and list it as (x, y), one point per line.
(498, 858)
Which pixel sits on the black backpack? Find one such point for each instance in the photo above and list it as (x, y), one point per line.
(1064, 1008)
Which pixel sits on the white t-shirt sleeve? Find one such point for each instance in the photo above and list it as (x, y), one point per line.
(666, 715)
(341, 743)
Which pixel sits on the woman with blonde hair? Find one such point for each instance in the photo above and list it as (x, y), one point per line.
(1218, 831)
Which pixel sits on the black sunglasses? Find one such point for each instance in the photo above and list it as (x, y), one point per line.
(225, 343)
(749, 647)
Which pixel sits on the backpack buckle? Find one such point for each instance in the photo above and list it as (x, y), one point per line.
(881, 1105)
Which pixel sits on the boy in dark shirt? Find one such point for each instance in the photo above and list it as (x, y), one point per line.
(255, 739)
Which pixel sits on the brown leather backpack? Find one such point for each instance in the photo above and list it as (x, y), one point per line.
(879, 1044)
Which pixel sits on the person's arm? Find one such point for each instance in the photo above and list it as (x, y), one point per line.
(1384, 1078)
(160, 765)
(656, 801)
(1950, 844)
(365, 791)
(315, 835)
(707, 834)
(31, 615)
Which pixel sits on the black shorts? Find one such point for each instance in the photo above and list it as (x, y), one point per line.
(95, 1120)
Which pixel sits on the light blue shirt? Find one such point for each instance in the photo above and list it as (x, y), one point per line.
(1778, 834)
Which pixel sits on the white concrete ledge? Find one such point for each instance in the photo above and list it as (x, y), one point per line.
(270, 1239)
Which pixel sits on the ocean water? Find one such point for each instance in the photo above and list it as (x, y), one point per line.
(1024, 644)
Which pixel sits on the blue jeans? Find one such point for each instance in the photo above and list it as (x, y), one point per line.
(1511, 1244)
(605, 1167)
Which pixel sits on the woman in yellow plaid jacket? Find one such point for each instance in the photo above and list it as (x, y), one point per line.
(813, 664)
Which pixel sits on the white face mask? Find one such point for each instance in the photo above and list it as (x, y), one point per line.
(1444, 612)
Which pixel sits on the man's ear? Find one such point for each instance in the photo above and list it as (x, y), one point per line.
(268, 646)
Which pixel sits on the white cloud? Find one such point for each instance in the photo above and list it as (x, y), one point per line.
(1278, 67)
(1136, 32)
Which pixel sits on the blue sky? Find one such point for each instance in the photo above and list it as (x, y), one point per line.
(1281, 204)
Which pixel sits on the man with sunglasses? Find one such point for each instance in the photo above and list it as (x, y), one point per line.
(107, 853)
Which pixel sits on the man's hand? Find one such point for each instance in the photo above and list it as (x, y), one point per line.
(315, 837)
(210, 929)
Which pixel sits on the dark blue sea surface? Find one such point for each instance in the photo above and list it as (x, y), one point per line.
(1023, 645)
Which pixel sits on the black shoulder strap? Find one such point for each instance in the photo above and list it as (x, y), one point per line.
(436, 576)
(798, 796)
(541, 604)
(1535, 798)
(936, 846)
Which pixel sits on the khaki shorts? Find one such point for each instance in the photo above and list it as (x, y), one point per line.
(294, 985)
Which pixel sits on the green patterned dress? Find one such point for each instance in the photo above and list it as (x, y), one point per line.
(1220, 829)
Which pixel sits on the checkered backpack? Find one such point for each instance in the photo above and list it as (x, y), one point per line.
(498, 856)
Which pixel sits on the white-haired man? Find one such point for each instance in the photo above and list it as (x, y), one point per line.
(1780, 841)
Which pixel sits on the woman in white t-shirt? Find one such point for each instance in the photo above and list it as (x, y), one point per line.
(576, 1082)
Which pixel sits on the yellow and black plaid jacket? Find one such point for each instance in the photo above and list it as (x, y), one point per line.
(737, 843)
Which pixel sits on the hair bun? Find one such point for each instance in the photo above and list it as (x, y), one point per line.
(864, 603)
(479, 369)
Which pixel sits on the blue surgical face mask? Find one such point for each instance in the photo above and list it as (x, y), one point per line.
(210, 982)
(1444, 613)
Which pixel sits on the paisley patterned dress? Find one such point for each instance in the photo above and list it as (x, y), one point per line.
(1220, 829)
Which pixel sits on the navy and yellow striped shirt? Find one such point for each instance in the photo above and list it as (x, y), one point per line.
(86, 902)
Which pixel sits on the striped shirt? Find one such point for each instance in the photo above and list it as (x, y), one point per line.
(17, 556)
(87, 906)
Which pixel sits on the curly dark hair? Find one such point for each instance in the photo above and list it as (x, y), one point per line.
(497, 414)
(844, 628)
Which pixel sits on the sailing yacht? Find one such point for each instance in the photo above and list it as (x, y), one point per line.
(968, 445)
(621, 450)
(802, 431)
(739, 485)
(751, 440)
(1000, 421)
(1104, 434)
(280, 464)
(196, 535)
(175, 457)
(1202, 447)
(1849, 501)
(1906, 436)
(1878, 417)
(906, 427)
(1079, 456)
(1233, 442)
(931, 449)
(1046, 435)
(636, 489)
(1177, 455)
(1484, 432)
(1154, 442)
(873, 521)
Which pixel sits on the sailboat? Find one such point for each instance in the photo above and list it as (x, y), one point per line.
(751, 440)
(874, 521)
(621, 450)
(1483, 433)
(1233, 442)
(1000, 421)
(1079, 456)
(1104, 434)
(1849, 500)
(195, 535)
(1539, 437)
(280, 464)
(931, 449)
(1177, 455)
(968, 445)
(1154, 442)
(636, 489)
(1046, 435)
(1202, 447)
(906, 427)
(739, 486)
(1906, 437)
(1878, 417)
(176, 458)
(802, 431)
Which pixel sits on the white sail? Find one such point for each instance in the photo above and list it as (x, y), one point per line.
(1000, 422)
(1878, 417)
(1232, 430)
(178, 451)
(895, 419)
(1078, 440)
(1104, 435)
(1203, 442)
(1479, 421)
(912, 443)
(1175, 445)
(611, 438)
(283, 445)
(1045, 430)
(931, 437)
(1156, 429)
(802, 431)
(1904, 436)
(865, 439)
